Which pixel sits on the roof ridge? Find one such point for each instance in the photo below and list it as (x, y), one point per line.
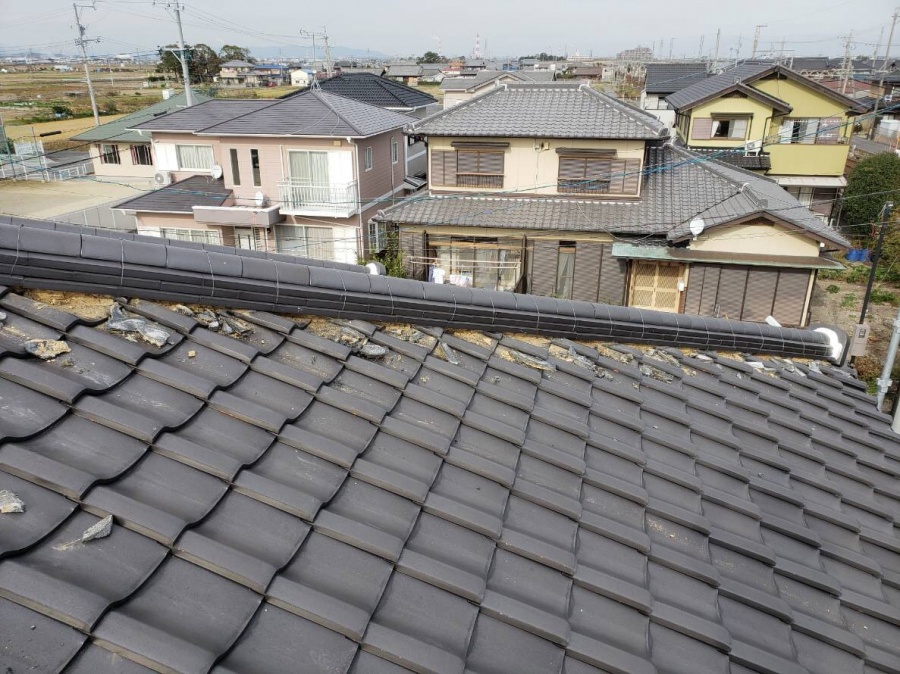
(640, 116)
(318, 93)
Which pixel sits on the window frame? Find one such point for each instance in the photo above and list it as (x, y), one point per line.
(235, 166)
(493, 178)
(210, 236)
(141, 151)
(255, 170)
(109, 154)
(731, 121)
(369, 158)
(567, 249)
(183, 167)
(395, 151)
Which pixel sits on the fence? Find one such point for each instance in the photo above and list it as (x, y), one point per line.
(100, 216)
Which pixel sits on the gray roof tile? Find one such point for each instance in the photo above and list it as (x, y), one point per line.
(542, 111)
(117, 130)
(667, 78)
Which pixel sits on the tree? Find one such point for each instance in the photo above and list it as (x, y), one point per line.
(203, 62)
(429, 57)
(230, 52)
(873, 181)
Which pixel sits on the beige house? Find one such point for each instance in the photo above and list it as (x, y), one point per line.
(298, 176)
(457, 90)
(122, 154)
(556, 189)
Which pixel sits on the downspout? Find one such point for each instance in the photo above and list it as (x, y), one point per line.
(360, 239)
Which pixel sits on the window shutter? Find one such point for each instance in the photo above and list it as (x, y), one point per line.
(702, 128)
(790, 296)
(612, 278)
(732, 284)
(709, 291)
(760, 294)
(632, 178)
(829, 131)
(443, 168)
(572, 168)
(490, 162)
(543, 269)
(694, 289)
(587, 271)
(467, 162)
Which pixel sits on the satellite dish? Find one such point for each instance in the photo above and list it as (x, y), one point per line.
(260, 199)
(216, 172)
(697, 225)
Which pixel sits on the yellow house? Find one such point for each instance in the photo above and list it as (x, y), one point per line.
(770, 119)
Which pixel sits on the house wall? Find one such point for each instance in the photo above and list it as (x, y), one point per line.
(533, 171)
(164, 152)
(757, 239)
(759, 113)
(126, 169)
(800, 159)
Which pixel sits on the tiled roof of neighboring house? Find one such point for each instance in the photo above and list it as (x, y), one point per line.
(667, 78)
(375, 90)
(117, 130)
(201, 115)
(740, 77)
(543, 111)
(534, 75)
(312, 113)
(181, 196)
(404, 71)
(237, 64)
(758, 162)
(479, 79)
(334, 498)
(677, 186)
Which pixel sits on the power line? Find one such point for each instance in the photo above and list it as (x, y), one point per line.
(81, 42)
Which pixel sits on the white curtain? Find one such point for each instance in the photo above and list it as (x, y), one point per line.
(739, 128)
(195, 157)
(309, 168)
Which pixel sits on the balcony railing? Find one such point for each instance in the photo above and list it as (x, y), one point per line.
(299, 196)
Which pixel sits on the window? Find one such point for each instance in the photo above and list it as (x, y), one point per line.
(254, 167)
(195, 157)
(493, 264)
(313, 242)
(467, 168)
(197, 235)
(720, 128)
(825, 131)
(729, 129)
(565, 270)
(109, 154)
(598, 175)
(140, 155)
(395, 151)
(235, 167)
(370, 161)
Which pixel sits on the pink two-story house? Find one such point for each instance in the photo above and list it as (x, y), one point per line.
(301, 175)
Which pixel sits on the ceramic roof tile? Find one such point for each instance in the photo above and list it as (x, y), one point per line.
(158, 627)
(497, 646)
(397, 466)
(30, 641)
(43, 511)
(331, 433)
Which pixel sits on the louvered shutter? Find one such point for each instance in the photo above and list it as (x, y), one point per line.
(412, 246)
(709, 290)
(572, 168)
(694, 292)
(632, 178)
(490, 162)
(760, 294)
(702, 129)
(829, 131)
(615, 173)
(790, 296)
(467, 162)
(613, 272)
(732, 284)
(543, 267)
(587, 271)
(443, 168)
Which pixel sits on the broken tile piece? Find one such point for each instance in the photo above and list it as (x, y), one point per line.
(10, 503)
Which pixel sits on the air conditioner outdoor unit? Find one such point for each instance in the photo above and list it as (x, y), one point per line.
(162, 178)
(752, 148)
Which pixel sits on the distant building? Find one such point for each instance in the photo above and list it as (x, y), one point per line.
(636, 54)
(664, 79)
(300, 78)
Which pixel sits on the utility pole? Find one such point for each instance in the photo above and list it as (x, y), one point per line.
(759, 28)
(327, 55)
(877, 48)
(174, 8)
(847, 65)
(81, 42)
(718, 42)
(700, 51)
(737, 52)
(876, 254)
(671, 46)
(887, 49)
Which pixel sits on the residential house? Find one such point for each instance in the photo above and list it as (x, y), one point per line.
(408, 74)
(771, 119)
(390, 95)
(342, 473)
(119, 153)
(235, 74)
(459, 89)
(271, 75)
(560, 190)
(301, 78)
(664, 79)
(298, 176)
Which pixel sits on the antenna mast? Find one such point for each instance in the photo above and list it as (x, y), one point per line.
(81, 41)
(759, 28)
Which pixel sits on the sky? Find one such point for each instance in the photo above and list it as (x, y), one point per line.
(506, 27)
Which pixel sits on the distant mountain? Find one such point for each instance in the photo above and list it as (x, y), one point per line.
(337, 52)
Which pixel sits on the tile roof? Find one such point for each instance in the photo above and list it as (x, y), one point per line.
(181, 196)
(743, 75)
(202, 115)
(678, 185)
(458, 501)
(374, 90)
(311, 113)
(543, 111)
(667, 78)
(479, 79)
(117, 130)
(404, 71)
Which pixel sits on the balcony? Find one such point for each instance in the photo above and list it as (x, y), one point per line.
(238, 216)
(299, 197)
